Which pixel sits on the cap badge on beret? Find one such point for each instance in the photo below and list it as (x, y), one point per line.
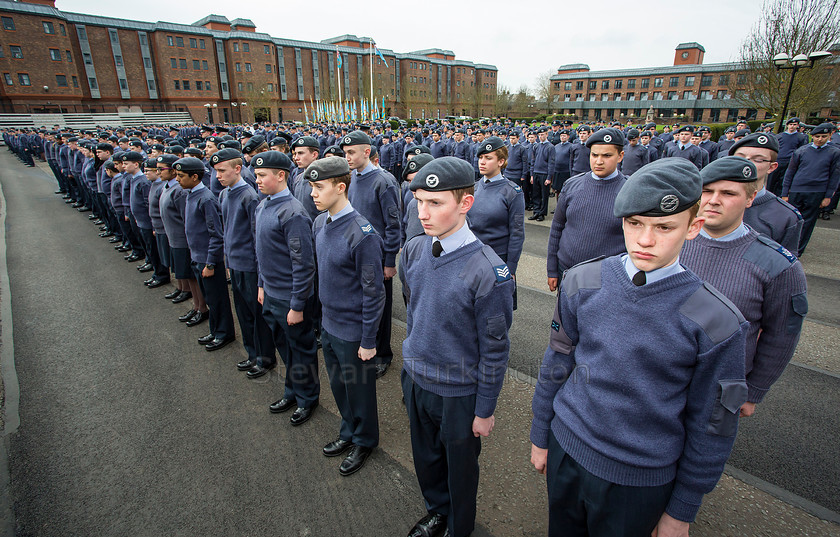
(259, 161)
(669, 203)
(488, 147)
(432, 181)
(160, 159)
(313, 175)
(347, 140)
(762, 140)
(178, 167)
(607, 138)
(418, 151)
(746, 171)
(412, 165)
(215, 159)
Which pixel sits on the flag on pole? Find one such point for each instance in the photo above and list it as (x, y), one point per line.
(378, 53)
(337, 57)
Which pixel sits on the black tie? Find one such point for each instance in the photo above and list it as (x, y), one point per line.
(639, 278)
(329, 219)
(486, 181)
(437, 248)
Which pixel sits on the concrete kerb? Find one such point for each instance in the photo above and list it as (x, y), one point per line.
(11, 414)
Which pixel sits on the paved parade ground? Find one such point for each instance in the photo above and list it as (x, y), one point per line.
(128, 427)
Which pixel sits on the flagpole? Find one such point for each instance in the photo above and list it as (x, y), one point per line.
(338, 76)
(371, 69)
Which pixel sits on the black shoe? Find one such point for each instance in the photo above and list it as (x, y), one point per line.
(133, 257)
(381, 369)
(431, 525)
(114, 240)
(122, 248)
(94, 217)
(245, 365)
(150, 280)
(529, 207)
(185, 295)
(77, 204)
(198, 318)
(534, 217)
(187, 316)
(58, 192)
(217, 344)
(258, 370)
(204, 340)
(302, 415)
(337, 447)
(106, 234)
(83, 209)
(173, 294)
(539, 218)
(278, 407)
(146, 267)
(354, 460)
(157, 283)
(825, 216)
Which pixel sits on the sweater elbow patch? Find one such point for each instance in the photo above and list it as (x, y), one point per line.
(294, 248)
(799, 308)
(731, 396)
(368, 275)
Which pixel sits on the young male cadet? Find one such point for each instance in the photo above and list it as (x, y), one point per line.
(517, 166)
(375, 198)
(636, 155)
(286, 281)
(239, 202)
(632, 448)
(352, 292)
(683, 148)
(768, 214)
(411, 226)
(541, 165)
(203, 227)
(584, 226)
(460, 298)
(579, 153)
(811, 179)
(132, 177)
(764, 280)
(789, 141)
(161, 245)
(305, 151)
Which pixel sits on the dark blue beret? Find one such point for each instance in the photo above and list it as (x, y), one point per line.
(416, 163)
(176, 149)
(194, 151)
(105, 147)
(326, 168)
(609, 136)
(686, 128)
(736, 169)
(355, 138)
(189, 165)
(445, 173)
(662, 188)
(110, 165)
(741, 133)
(223, 155)
(416, 150)
(306, 141)
(758, 139)
(252, 143)
(215, 139)
(272, 159)
(793, 120)
(489, 145)
(822, 128)
(632, 134)
(582, 128)
(150, 163)
(132, 156)
(167, 159)
(704, 129)
(334, 150)
(230, 144)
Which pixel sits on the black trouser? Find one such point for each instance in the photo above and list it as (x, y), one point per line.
(135, 239)
(110, 214)
(808, 204)
(384, 354)
(215, 293)
(297, 347)
(353, 384)
(581, 504)
(523, 184)
(539, 194)
(152, 254)
(774, 182)
(445, 453)
(125, 226)
(256, 334)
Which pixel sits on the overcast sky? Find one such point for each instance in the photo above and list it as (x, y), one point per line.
(522, 38)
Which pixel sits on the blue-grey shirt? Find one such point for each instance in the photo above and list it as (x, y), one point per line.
(737, 233)
(460, 238)
(653, 275)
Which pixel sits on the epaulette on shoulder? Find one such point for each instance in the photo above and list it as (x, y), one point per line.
(516, 188)
(584, 275)
(714, 313)
(781, 250)
(789, 206)
(500, 268)
(366, 227)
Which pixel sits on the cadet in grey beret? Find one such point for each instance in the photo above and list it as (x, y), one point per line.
(416, 163)
(757, 139)
(189, 165)
(736, 169)
(272, 159)
(416, 150)
(355, 138)
(632, 134)
(167, 159)
(822, 128)
(252, 143)
(609, 136)
(334, 151)
(489, 145)
(445, 173)
(661, 188)
(327, 168)
(223, 155)
(305, 141)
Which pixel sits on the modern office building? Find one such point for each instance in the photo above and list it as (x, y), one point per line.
(217, 69)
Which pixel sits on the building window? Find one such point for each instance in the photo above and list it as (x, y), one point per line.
(173, 62)
(631, 96)
(674, 82)
(246, 47)
(49, 28)
(147, 63)
(250, 86)
(643, 96)
(616, 96)
(593, 84)
(207, 85)
(151, 85)
(118, 60)
(723, 80)
(8, 78)
(177, 84)
(196, 65)
(62, 29)
(186, 84)
(268, 68)
(69, 56)
(204, 65)
(75, 82)
(16, 51)
(567, 86)
(631, 83)
(82, 33)
(201, 44)
(605, 96)
(61, 81)
(705, 94)
(605, 84)
(183, 63)
(721, 94)
(179, 41)
(592, 96)
(193, 42)
(645, 82)
(112, 34)
(266, 49)
(235, 47)
(23, 79)
(239, 86)
(617, 84)
(579, 85)
(672, 95)
(657, 82)
(689, 81)
(92, 83)
(271, 88)
(198, 85)
(8, 23)
(224, 86)
(706, 80)
(87, 58)
(238, 67)
(55, 55)
(248, 67)
(657, 95)
(687, 95)
(578, 96)
(123, 84)
(143, 39)
(742, 79)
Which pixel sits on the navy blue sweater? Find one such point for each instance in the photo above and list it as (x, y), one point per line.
(350, 281)
(155, 191)
(203, 226)
(789, 143)
(462, 302)
(238, 207)
(375, 198)
(813, 170)
(643, 385)
(497, 218)
(173, 204)
(285, 251)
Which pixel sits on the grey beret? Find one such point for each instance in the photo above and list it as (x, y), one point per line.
(416, 150)
(326, 168)
(223, 155)
(105, 147)
(189, 165)
(306, 141)
(662, 188)
(334, 150)
(230, 144)
(686, 128)
(822, 128)
(445, 173)
(793, 120)
(416, 163)
(609, 136)
(758, 139)
(196, 152)
(132, 156)
(632, 134)
(272, 159)
(355, 138)
(253, 142)
(167, 159)
(736, 169)
(741, 133)
(489, 145)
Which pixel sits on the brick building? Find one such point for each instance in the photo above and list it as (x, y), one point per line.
(216, 69)
(687, 90)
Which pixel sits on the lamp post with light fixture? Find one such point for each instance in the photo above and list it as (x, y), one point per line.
(783, 61)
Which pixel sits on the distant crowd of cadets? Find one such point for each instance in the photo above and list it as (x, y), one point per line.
(305, 224)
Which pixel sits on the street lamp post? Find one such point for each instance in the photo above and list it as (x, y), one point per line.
(783, 61)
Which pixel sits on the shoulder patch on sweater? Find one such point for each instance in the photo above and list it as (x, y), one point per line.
(769, 255)
(585, 275)
(484, 270)
(502, 273)
(716, 315)
(789, 206)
